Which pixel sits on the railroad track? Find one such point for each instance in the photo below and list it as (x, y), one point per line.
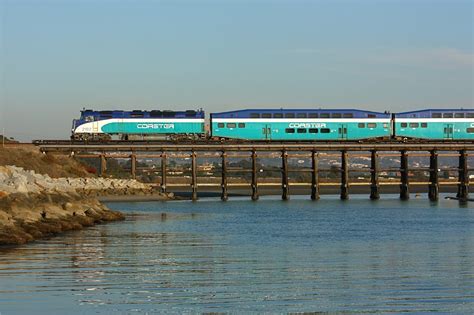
(237, 142)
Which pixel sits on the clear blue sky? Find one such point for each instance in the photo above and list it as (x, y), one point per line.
(59, 56)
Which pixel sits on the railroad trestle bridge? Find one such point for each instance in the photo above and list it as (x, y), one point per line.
(309, 152)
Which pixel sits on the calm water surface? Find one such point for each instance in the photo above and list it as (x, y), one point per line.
(266, 256)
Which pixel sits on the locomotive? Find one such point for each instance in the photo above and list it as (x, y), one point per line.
(138, 124)
(275, 125)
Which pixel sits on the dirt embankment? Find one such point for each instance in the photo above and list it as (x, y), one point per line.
(43, 195)
(34, 205)
(30, 158)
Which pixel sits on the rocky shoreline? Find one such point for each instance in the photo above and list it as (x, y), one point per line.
(34, 206)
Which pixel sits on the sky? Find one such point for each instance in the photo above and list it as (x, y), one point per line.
(58, 56)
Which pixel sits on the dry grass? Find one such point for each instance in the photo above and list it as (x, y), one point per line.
(30, 158)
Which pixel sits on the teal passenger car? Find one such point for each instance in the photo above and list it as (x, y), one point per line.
(300, 124)
(435, 124)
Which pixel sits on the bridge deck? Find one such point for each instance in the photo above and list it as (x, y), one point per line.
(385, 146)
(345, 150)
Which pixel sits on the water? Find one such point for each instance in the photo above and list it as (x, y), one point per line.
(242, 256)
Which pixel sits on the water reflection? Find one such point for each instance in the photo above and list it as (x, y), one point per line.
(270, 256)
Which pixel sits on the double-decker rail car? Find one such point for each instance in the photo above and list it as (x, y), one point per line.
(138, 124)
(435, 124)
(300, 124)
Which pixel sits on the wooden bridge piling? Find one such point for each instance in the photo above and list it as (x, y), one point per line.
(433, 188)
(404, 186)
(194, 195)
(163, 172)
(133, 166)
(284, 176)
(374, 176)
(463, 186)
(103, 165)
(254, 176)
(314, 176)
(224, 195)
(344, 176)
(157, 150)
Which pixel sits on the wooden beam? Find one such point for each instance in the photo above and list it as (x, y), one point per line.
(133, 166)
(194, 195)
(284, 176)
(163, 172)
(103, 165)
(344, 176)
(433, 188)
(404, 186)
(254, 176)
(374, 176)
(463, 187)
(224, 195)
(314, 176)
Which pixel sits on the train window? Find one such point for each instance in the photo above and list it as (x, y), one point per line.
(156, 113)
(324, 115)
(436, 115)
(371, 125)
(220, 125)
(190, 113)
(290, 115)
(168, 113)
(424, 125)
(241, 125)
(301, 115)
(414, 125)
(371, 115)
(469, 115)
(278, 115)
(301, 130)
(325, 130)
(361, 125)
(231, 125)
(313, 115)
(290, 130)
(254, 115)
(447, 115)
(459, 115)
(136, 115)
(266, 115)
(336, 115)
(348, 115)
(470, 130)
(403, 125)
(313, 130)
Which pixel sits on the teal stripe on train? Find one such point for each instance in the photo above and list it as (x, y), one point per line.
(301, 130)
(436, 130)
(153, 127)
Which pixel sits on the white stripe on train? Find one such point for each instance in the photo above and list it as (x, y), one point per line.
(301, 120)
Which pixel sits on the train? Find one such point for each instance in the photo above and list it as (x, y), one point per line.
(275, 125)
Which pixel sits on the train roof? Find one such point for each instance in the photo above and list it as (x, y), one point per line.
(249, 113)
(190, 113)
(428, 113)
